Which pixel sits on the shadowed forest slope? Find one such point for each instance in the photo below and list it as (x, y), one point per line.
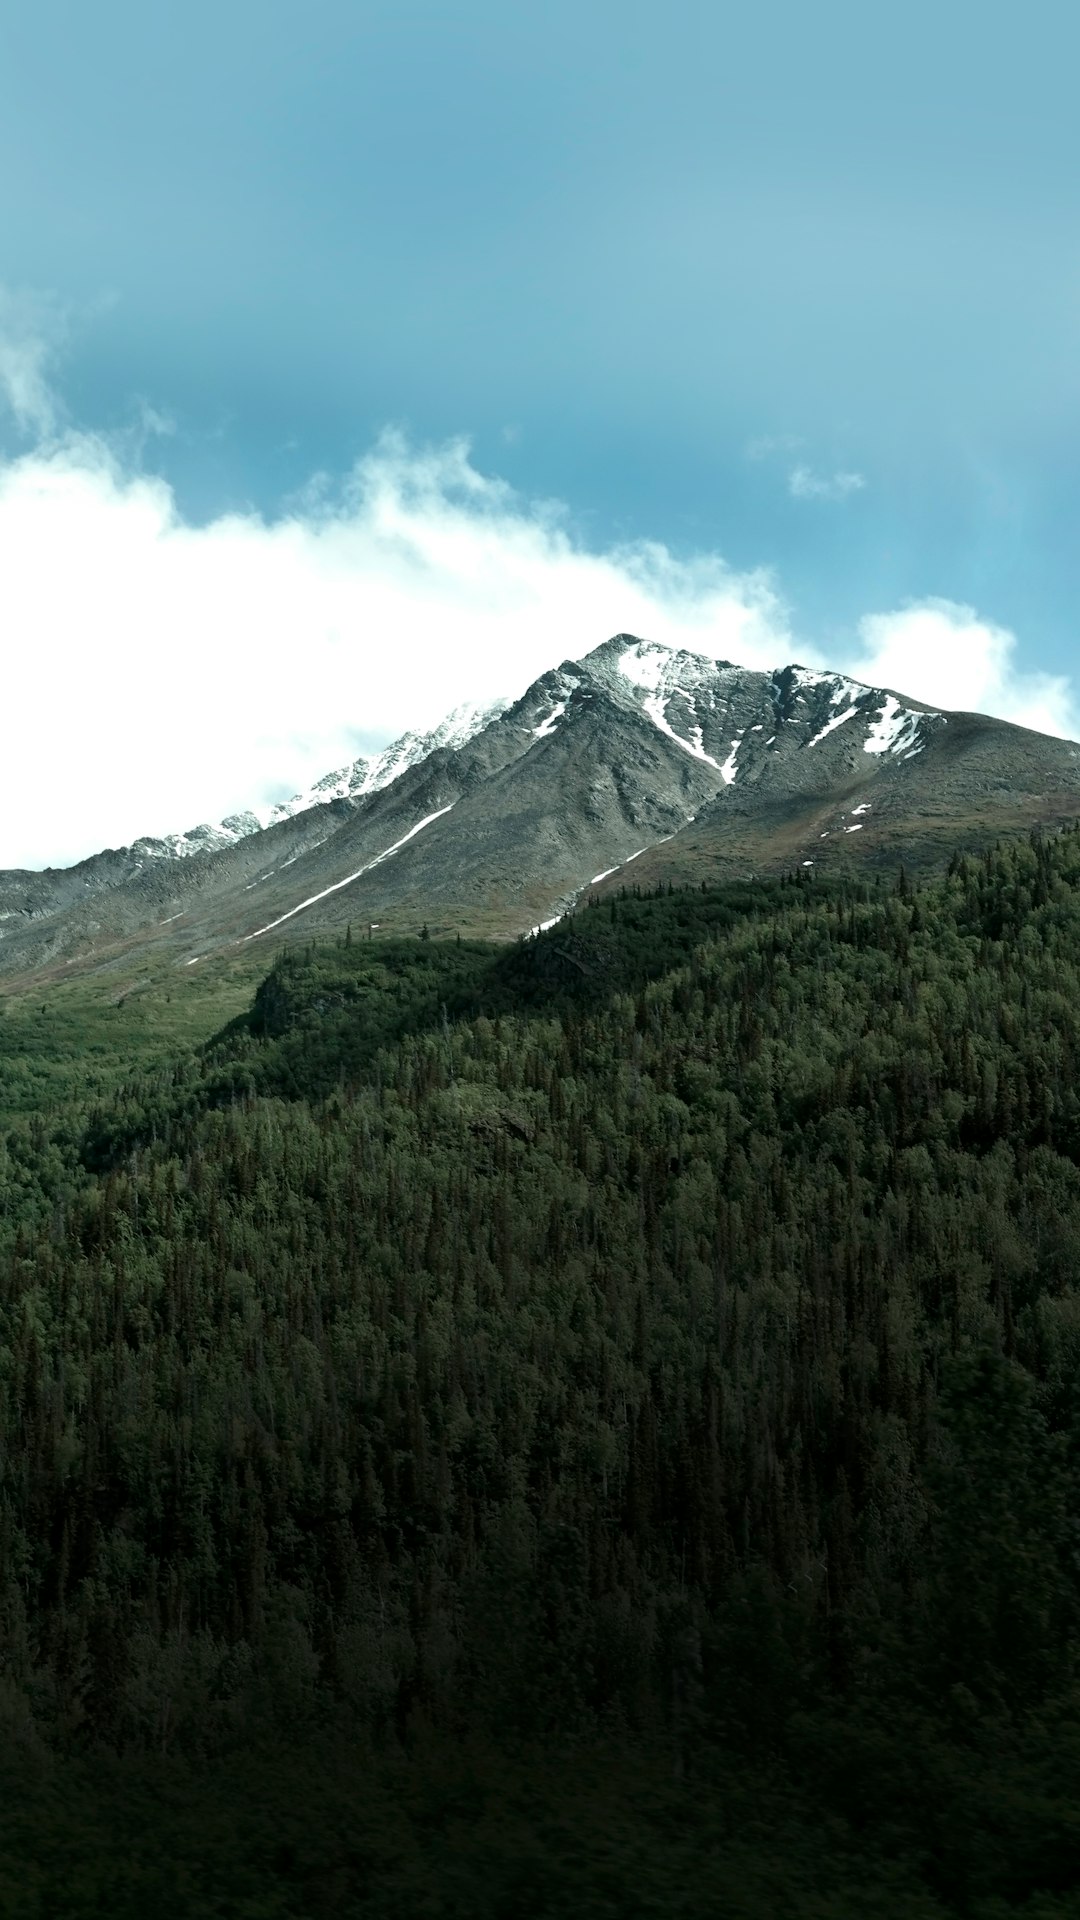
(592, 1426)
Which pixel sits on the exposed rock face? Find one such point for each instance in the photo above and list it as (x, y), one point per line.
(636, 763)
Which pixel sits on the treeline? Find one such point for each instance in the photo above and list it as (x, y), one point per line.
(658, 1341)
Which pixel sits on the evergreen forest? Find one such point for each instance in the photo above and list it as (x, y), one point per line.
(588, 1427)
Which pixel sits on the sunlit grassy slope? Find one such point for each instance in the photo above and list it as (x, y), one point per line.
(69, 1043)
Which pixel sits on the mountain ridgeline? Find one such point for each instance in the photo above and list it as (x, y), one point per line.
(580, 1426)
(633, 762)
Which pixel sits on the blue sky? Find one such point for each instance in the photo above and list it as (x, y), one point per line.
(790, 290)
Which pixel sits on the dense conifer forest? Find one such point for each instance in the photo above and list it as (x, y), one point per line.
(585, 1428)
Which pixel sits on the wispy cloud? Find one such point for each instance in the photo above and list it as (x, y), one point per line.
(805, 484)
(31, 333)
(765, 446)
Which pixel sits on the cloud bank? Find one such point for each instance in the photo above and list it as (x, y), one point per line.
(157, 674)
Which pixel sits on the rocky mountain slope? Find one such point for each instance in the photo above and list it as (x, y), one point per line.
(634, 764)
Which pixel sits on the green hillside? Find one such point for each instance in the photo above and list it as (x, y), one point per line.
(584, 1427)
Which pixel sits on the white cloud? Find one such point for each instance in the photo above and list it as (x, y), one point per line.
(943, 653)
(805, 484)
(163, 673)
(157, 673)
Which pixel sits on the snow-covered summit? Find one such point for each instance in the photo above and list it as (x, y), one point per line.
(710, 707)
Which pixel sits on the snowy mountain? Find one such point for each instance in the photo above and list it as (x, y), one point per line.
(635, 765)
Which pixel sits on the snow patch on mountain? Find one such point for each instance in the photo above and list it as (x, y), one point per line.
(551, 723)
(896, 730)
(654, 707)
(648, 666)
(386, 854)
(837, 720)
(840, 687)
(727, 771)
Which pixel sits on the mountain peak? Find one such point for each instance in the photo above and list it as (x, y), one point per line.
(638, 762)
(651, 664)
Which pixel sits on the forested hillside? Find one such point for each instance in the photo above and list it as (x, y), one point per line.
(591, 1427)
